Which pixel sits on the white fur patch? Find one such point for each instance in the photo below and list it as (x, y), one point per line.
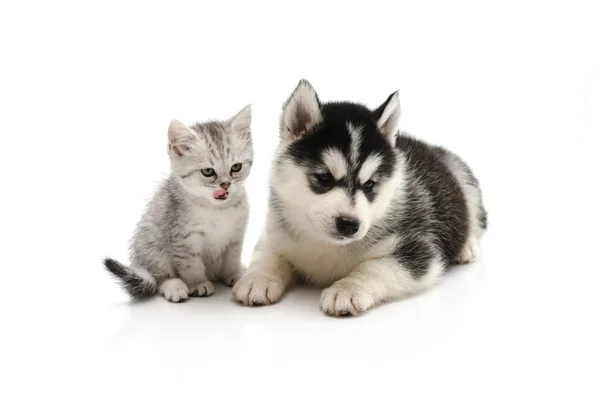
(266, 280)
(336, 162)
(390, 118)
(242, 121)
(179, 131)
(355, 142)
(306, 211)
(301, 112)
(369, 167)
(468, 254)
(345, 297)
(383, 247)
(181, 137)
(258, 288)
(205, 288)
(174, 290)
(144, 274)
(324, 208)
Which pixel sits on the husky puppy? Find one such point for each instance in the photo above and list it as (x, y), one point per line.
(355, 207)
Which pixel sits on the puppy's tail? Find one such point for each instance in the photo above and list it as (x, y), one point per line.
(138, 282)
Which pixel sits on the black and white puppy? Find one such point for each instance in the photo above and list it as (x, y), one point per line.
(359, 209)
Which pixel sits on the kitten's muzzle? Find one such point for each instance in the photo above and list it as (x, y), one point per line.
(222, 193)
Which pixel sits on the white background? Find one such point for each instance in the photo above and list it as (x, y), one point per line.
(87, 91)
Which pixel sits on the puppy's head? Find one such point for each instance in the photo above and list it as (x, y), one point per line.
(336, 165)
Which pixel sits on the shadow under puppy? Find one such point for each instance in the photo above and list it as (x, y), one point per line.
(192, 231)
(355, 207)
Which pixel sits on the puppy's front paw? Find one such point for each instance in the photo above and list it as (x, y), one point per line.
(205, 288)
(258, 289)
(345, 297)
(174, 290)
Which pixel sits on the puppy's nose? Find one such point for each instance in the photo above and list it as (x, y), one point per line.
(347, 226)
(225, 185)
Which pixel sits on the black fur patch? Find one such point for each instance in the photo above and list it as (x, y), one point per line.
(135, 286)
(415, 255)
(483, 218)
(332, 133)
(444, 218)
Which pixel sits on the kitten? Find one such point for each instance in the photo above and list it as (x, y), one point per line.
(192, 231)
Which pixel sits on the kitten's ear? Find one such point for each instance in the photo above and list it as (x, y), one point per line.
(180, 137)
(241, 122)
(388, 117)
(301, 112)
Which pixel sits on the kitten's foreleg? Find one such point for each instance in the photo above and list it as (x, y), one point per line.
(174, 290)
(193, 272)
(231, 268)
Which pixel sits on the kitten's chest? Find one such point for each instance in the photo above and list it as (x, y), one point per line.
(210, 231)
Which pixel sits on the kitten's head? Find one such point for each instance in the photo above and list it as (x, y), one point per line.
(212, 159)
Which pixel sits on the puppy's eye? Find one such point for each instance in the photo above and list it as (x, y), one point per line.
(208, 172)
(368, 185)
(236, 167)
(325, 178)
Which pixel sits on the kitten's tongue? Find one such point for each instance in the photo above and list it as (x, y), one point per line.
(220, 194)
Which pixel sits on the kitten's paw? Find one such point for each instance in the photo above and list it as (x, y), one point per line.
(205, 288)
(345, 297)
(258, 289)
(174, 290)
(232, 279)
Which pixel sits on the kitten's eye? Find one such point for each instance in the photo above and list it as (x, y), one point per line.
(368, 185)
(236, 167)
(325, 178)
(207, 172)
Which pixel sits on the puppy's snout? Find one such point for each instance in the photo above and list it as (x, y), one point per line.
(347, 226)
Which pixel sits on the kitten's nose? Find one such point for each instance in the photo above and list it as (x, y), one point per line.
(225, 185)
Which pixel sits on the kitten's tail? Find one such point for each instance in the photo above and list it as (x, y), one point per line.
(138, 282)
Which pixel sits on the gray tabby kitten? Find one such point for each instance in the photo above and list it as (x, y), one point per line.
(192, 231)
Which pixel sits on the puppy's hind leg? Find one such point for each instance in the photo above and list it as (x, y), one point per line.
(469, 252)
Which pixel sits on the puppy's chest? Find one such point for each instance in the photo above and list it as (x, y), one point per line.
(210, 231)
(320, 264)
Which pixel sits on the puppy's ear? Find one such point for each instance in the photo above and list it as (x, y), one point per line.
(301, 112)
(180, 137)
(388, 117)
(240, 123)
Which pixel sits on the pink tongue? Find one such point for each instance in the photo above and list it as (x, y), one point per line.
(220, 194)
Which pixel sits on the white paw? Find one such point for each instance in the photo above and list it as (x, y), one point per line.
(174, 290)
(205, 288)
(258, 289)
(469, 252)
(345, 297)
(231, 280)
